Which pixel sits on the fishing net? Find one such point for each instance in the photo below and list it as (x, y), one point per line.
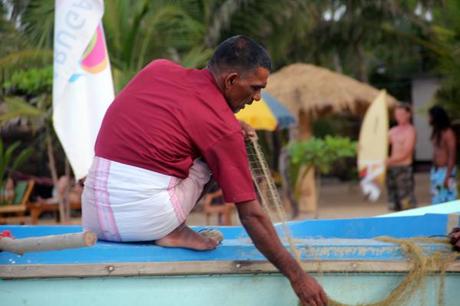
(422, 263)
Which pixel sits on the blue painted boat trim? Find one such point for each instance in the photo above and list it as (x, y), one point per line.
(452, 207)
(348, 239)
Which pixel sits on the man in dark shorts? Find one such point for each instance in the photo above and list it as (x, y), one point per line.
(400, 178)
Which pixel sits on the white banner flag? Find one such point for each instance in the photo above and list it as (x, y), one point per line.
(82, 85)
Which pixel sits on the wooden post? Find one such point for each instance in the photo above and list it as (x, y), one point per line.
(47, 243)
(54, 175)
(308, 198)
(65, 196)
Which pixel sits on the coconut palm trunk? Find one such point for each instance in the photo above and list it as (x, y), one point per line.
(63, 215)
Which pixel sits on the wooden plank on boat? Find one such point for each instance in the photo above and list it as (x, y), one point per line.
(46, 243)
(197, 268)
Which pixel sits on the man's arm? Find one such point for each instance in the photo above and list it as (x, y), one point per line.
(265, 238)
(451, 143)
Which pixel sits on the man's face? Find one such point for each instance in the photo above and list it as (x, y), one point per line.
(402, 116)
(242, 89)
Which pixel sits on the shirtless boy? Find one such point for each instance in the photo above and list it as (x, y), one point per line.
(400, 179)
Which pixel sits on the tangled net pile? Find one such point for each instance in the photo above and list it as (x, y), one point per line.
(422, 264)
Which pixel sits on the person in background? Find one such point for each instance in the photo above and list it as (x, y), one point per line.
(400, 177)
(7, 191)
(64, 187)
(443, 171)
(214, 202)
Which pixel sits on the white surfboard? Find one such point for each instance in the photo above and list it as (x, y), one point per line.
(373, 148)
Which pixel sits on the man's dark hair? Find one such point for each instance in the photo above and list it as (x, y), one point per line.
(440, 122)
(240, 53)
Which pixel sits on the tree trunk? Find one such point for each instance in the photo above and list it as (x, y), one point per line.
(65, 197)
(276, 141)
(362, 65)
(54, 175)
(337, 63)
(307, 189)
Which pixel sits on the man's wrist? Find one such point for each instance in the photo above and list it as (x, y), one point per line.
(290, 267)
(297, 275)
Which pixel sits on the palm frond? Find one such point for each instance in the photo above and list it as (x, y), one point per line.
(21, 158)
(196, 57)
(38, 23)
(221, 20)
(7, 155)
(18, 107)
(24, 59)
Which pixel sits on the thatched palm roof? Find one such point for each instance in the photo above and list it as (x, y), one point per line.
(316, 90)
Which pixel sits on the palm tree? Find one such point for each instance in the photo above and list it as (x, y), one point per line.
(435, 31)
(446, 44)
(139, 31)
(351, 36)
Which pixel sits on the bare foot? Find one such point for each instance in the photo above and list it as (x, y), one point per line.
(185, 237)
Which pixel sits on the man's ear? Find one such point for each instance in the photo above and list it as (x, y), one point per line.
(230, 79)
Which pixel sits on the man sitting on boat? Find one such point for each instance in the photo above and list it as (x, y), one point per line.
(163, 137)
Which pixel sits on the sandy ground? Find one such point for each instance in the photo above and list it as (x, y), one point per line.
(342, 200)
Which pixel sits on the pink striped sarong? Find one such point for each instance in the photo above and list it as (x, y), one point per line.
(126, 203)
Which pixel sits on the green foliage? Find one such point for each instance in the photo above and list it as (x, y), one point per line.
(356, 37)
(24, 60)
(448, 95)
(348, 36)
(34, 81)
(321, 153)
(140, 31)
(11, 158)
(443, 42)
(18, 107)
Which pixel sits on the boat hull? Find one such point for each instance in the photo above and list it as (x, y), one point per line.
(343, 255)
(199, 290)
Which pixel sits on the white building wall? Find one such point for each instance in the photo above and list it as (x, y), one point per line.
(423, 91)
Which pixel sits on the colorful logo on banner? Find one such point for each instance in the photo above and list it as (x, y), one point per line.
(95, 58)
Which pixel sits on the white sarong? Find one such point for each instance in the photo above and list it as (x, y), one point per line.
(128, 203)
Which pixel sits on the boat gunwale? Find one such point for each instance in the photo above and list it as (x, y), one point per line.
(23, 271)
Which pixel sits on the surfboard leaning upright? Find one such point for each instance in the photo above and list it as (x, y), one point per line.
(373, 148)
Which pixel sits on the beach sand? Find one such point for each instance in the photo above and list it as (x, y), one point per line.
(339, 200)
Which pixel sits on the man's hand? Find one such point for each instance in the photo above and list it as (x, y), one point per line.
(247, 130)
(446, 181)
(454, 237)
(309, 291)
(266, 240)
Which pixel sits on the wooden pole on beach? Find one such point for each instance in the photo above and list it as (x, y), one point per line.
(48, 243)
(308, 197)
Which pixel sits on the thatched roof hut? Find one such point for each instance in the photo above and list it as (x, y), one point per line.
(317, 91)
(309, 91)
